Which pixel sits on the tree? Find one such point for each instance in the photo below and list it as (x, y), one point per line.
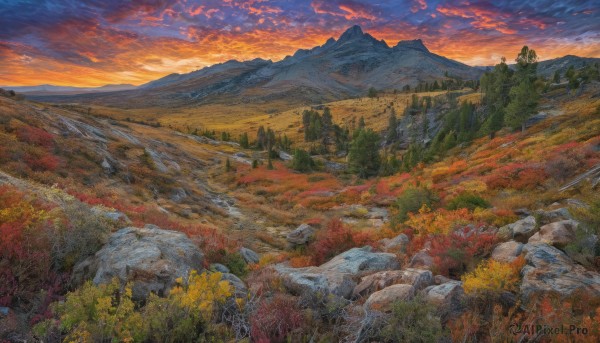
(302, 161)
(244, 142)
(261, 142)
(496, 85)
(556, 78)
(522, 105)
(363, 157)
(392, 126)
(372, 93)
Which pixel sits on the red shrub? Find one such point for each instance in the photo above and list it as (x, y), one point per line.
(42, 163)
(275, 319)
(336, 238)
(35, 136)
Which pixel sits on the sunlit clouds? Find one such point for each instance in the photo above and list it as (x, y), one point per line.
(92, 43)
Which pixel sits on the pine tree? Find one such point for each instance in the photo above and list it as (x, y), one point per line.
(523, 97)
(392, 134)
(244, 142)
(363, 157)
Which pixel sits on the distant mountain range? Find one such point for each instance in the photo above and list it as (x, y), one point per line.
(65, 90)
(339, 69)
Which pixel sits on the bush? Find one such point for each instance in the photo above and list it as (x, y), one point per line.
(493, 276)
(467, 200)
(236, 264)
(335, 239)
(276, 318)
(411, 200)
(412, 321)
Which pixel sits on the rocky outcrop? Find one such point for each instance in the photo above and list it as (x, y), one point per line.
(520, 230)
(249, 256)
(301, 235)
(558, 234)
(384, 299)
(507, 251)
(550, 270)
(421, 260)
(546, 217)
(150, 258)
(337, 276)
(418, 278)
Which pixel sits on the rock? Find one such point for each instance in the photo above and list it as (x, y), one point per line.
(108, 168)
(337, 276)
(416, 277)
(357, 260)
(285, 156)
(249, 256)
(240, 154)
(178, 195)
(219, 268)
(520, 230)
(441, 279)
(384, 299)
(110, 214)
(394, 245)
(507, 251)
(240, 289)
(422, 260)
(301, 235)
(378, 213)
(444, 293)
(4, 311)
(148, 257)
(546, 217)
(558, 234)
(550, 270)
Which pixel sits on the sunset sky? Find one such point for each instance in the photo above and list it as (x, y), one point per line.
(98, 42)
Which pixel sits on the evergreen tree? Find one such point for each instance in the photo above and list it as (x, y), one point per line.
(261, 138)
(244, 142)
(392, 134)
(363, 157)
(372, 93)
(523, 97)
(556, 78)
(302, 161)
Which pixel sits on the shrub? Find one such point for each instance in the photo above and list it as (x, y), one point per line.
(411, 200)
(276, 318)
(35, 136)
(467, 200)
(494, 276)
(412, 321)
(336, 238)
(236, 264)
(440, 221)
(302, 161)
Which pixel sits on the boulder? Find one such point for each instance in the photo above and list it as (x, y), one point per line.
(394, 245)
(441, 279)
(249, 256)
(507, 251)
(418, 278)
(150, 258)
(548, 269)
(445, 293)
(520, 230)
(421, 260)
(301, 235)
(338, 275)
(558, 234)
(219, 268)
(240, 289)
(384, 299)
(547, 217)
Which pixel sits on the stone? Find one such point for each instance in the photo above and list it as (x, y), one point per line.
(520, 230)
(240, 289)
(219, 268)
(507, 251)
(558, 234)
(371, 283)
(445, 294)
(547, 217)
(338, 275)
(384, 299)
(249, 256)
(395, 245)
(301, 235)
(421, 260)
(150, 258)
(548, 269)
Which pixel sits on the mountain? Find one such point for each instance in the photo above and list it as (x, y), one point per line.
(338, 69)
(548, 67)
(65, 90)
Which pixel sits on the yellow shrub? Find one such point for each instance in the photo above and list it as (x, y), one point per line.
(493, 276)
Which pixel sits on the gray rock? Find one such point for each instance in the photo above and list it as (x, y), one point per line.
(148, 257)
(178, 195)
(337, 276)
(520, 230)
(447, 296)
(421, 260)
(546, 217)
(301, 235)
(285, 156)
(396, 244)
(558, 234)
(240, 289)
(550, 270)
(249, 256)
(507, 251)
(384, 299)
(418, 278)
(219, 268)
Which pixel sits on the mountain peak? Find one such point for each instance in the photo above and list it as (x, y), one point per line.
(352, 33)
(416, 44)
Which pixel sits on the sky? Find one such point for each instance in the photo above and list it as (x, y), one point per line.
(97, 42)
